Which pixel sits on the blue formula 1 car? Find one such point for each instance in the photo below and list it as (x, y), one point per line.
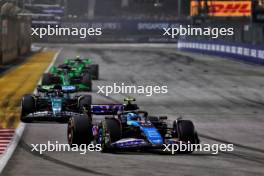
(128, 130)
(54, 103)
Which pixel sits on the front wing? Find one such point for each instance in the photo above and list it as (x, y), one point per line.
(49, 116)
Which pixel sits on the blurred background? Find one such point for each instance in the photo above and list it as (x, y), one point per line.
(224, 98)
(136, 21)
(126, 16)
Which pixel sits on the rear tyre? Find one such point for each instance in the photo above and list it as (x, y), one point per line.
(87, 81)
(79, 130)
(85, 104)
(46, 79)
(28, 106)
(95, 71)
(109, 132)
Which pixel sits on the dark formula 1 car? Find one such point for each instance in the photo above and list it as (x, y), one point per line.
(86, 65)
(54, 103)
(66, 75)
(128, 130)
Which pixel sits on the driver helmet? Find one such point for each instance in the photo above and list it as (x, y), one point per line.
(78, 58)
(58, 90)
(133, 117)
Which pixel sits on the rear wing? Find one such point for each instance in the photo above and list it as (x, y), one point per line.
(106, 109)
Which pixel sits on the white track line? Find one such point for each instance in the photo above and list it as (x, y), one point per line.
(19, 131)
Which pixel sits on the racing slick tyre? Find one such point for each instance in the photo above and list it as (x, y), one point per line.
(109, 132)
(85, 103)
(79, 130)
(28, 106)
(94, 70)
(87, 81)
(46, 79)
(186, 133)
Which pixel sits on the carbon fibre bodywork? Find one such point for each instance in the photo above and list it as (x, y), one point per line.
(66, 75)
(50, 104)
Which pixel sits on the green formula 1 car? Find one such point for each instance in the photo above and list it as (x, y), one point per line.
(85, 65)
(54, 104)
(66, 75)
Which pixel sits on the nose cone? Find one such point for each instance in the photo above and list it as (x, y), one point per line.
(56, 106)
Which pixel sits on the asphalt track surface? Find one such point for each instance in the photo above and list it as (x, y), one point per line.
(224, 99)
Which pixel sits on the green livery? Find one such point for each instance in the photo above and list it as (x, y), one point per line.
(54, 104)
(81, 65)
(78, 72)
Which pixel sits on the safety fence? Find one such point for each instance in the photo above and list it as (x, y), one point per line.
(243, 52)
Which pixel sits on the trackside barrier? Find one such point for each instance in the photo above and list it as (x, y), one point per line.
(243, 52)
(15, 39)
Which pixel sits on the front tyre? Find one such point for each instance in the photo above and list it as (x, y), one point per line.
(109, 132)
(79, 130)
(186, 133)
(28, 106)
